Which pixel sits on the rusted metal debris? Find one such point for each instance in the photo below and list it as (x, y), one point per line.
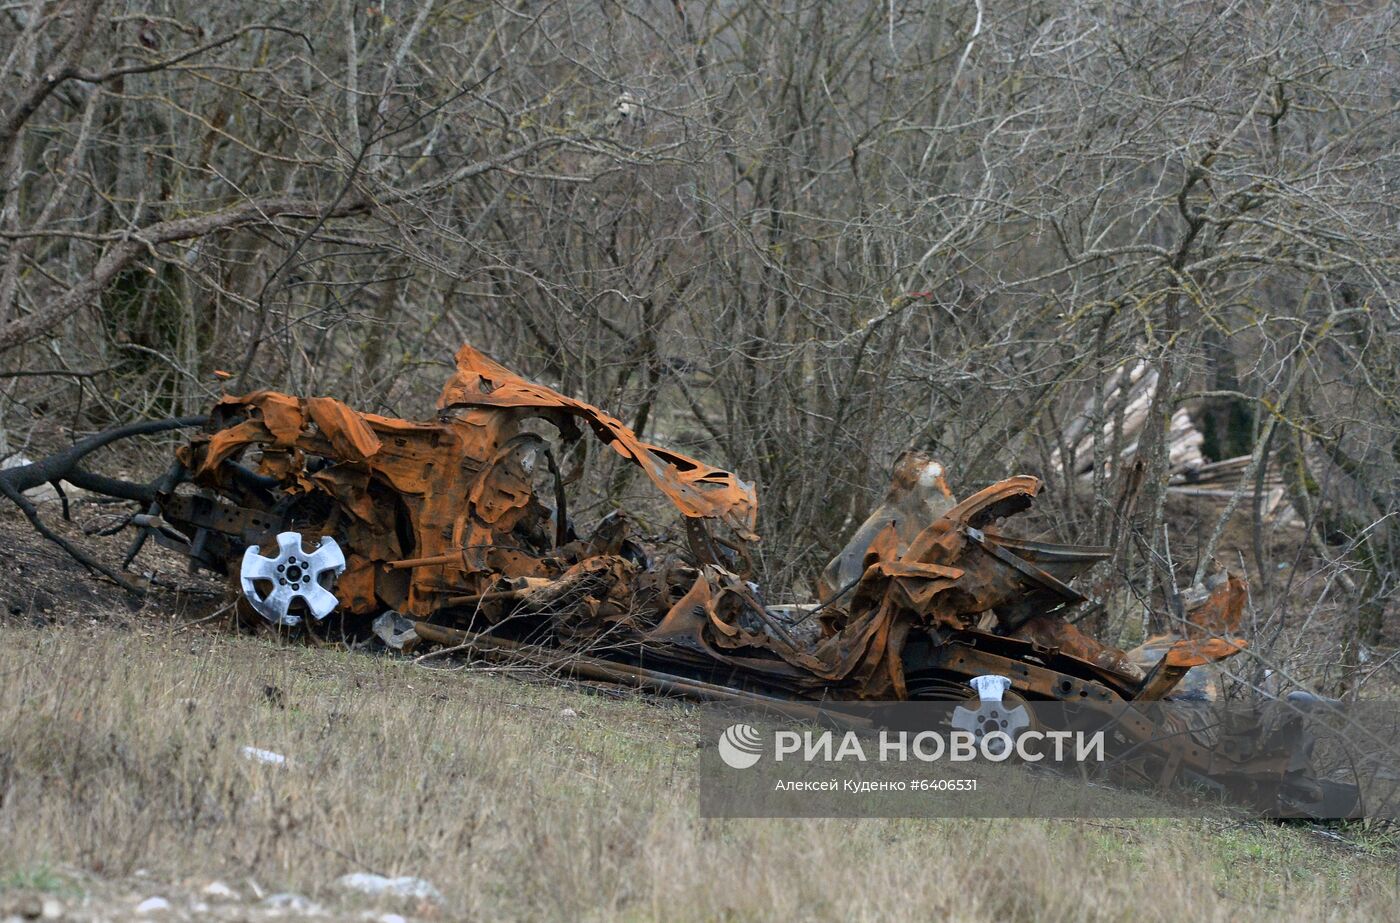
(458, 527)
(463, 521)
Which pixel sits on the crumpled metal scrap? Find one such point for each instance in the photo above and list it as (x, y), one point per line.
(432, 512)
(456, 531)
(463, 521)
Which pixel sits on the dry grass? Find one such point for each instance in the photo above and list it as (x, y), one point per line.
(120, 755)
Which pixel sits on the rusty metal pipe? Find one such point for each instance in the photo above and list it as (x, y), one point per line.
(581, 665)
(452, 557)
(494, 596)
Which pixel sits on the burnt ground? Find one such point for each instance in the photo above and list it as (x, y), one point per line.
(41, 584)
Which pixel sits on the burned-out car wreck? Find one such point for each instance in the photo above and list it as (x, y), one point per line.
(456, 532)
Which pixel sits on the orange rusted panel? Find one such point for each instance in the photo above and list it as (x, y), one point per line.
(349, 432)
(696, 489)
(1222, 611)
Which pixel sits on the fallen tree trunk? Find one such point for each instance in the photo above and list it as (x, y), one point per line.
(63, 466)
(59, 465)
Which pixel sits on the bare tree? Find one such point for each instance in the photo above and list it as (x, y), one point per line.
(794, 238)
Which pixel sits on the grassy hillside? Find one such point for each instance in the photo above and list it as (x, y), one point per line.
(123, 778)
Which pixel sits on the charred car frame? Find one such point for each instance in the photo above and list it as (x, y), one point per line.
(456, 531)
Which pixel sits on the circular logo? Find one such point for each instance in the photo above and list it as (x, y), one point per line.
(740, 746)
